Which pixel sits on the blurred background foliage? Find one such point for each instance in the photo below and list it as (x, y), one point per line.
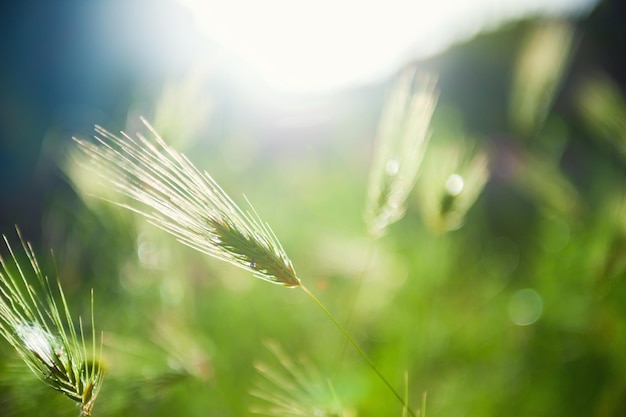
(503, 300)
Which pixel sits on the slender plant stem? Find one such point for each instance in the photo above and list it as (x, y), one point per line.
(406, 392)
(351, 302)
(358, 348)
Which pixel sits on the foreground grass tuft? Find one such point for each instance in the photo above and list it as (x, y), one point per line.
(41, 329)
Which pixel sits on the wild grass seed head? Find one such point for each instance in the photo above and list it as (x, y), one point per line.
(174, 195)
(403, 134)
(602, 108)
(35, 320)
(294, 389)
(452, 180)
(542, 63)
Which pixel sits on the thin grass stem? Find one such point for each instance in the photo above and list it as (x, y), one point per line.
(406, 392)
(358, 349)
(352, 300)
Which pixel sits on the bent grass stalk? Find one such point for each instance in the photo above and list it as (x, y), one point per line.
(176, 197)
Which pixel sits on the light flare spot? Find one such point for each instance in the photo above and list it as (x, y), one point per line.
(148, 255)
(558, 235)
(525, 307)
(392, 167)
(454, 185)
(172, 292)
(38, 341)
(501, 256)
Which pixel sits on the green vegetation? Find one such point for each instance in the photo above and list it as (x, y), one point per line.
(494, 281)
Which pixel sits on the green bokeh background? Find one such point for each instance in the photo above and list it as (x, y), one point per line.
(182, 332)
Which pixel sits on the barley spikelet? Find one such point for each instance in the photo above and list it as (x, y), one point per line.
(41, 329)
(175, 196)
(402, 140)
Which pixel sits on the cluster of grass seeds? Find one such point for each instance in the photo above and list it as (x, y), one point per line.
(42, 331)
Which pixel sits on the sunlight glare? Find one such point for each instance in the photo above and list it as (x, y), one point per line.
(323, 45)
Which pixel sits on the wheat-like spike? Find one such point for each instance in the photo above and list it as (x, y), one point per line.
(43, 331)
(176, 197)
(402, 140)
